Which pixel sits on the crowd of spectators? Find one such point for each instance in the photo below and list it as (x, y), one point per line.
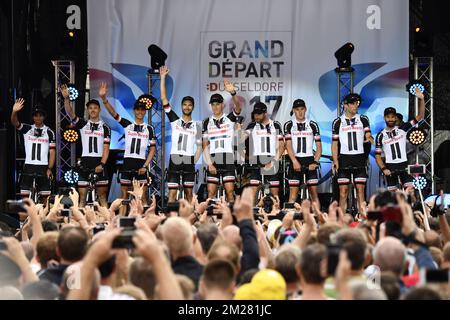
(392, 251)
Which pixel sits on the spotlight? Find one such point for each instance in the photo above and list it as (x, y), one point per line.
(416, 136)
(158, 57)
(420, 182)
(70, 135)
(147, 100)
(413, 85)
(344, 56)
(73, 92)
(71, 176)
(423, 42)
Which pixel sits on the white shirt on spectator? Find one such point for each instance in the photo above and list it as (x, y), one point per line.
(106, 293)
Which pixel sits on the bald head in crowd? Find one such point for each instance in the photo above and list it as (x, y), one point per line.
(178, 236)
(207, 234)
(10, 293)
(446, 257)
(287, 263)
(362, 292)
(141, 275)
(232, 234)
(72, 244)
(390, 255)
(222, 249)
(432, 239)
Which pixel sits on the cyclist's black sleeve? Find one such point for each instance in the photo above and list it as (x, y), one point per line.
(107, 134)
(316, 130)
(23, 128)
(232, 116)
(205, 129)
(79, 122)
(170, 113)
(277, 126)
(366, 124)
(335, 129)
(250, 127)
(122, 121)
(51, 139)
(408, 125)
(379, 143)
(287, 130)
(151, 136)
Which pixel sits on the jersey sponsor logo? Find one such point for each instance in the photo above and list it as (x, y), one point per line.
(137, 134)
(263, 133)
(93, 133)
(223, 129)
(302, 133)
(353, 127)
(40, 140)
(393, 139)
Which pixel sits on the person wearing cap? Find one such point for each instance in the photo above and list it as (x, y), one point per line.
(140, 143)
(351, 132)
(218, 146)
(266, 284)
(95, 140)
(40, 153)
(301, 134)
(266, 148)
(186, 142)
(391, 141)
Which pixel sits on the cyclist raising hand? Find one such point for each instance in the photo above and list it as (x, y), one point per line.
(40, 151)
(140, 143)
(186, 142)
(95, 140)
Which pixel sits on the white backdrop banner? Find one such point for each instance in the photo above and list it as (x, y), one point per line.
(259, 63)
(274, 51)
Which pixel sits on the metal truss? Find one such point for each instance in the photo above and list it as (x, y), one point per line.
(423, 71)
(344, 85)
(156, 118)
(65, 152)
